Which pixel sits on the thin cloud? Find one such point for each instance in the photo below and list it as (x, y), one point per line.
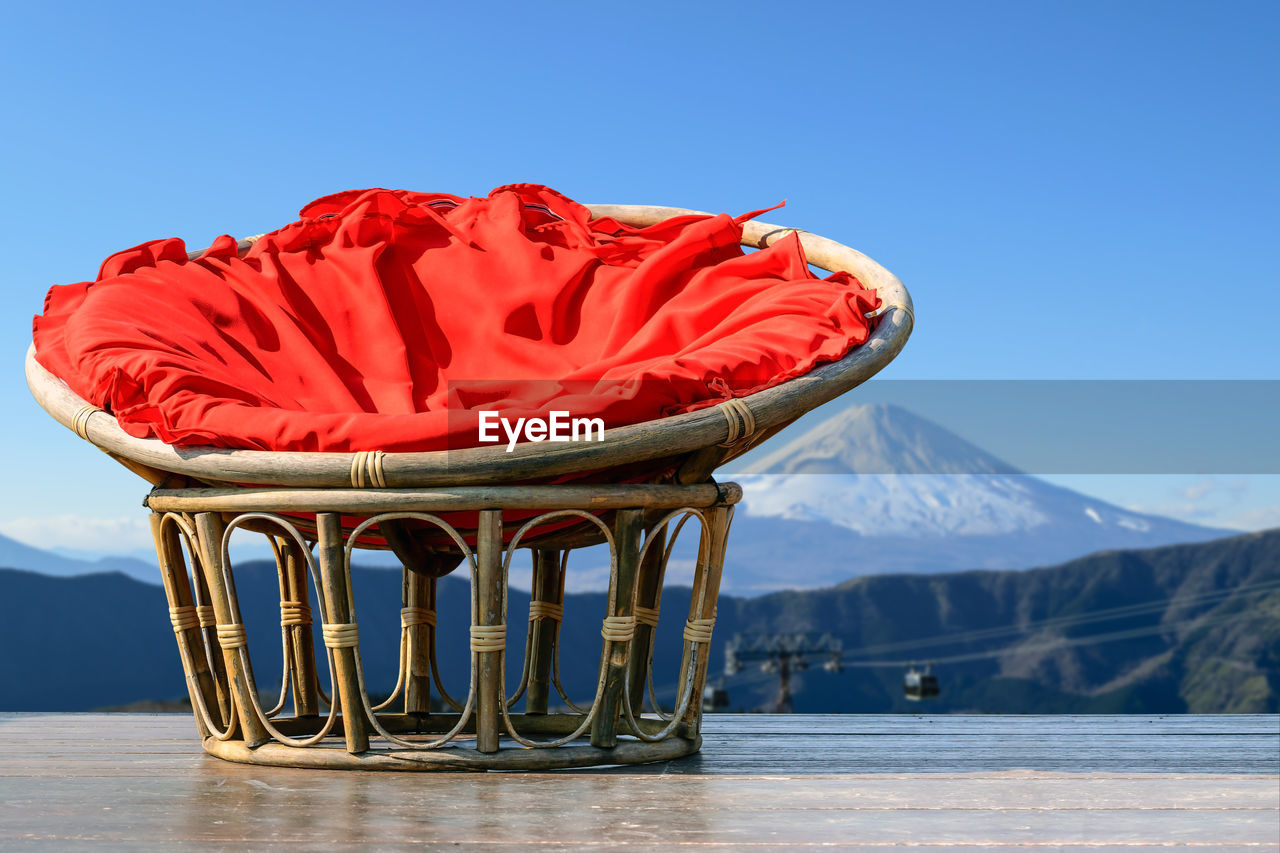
(1188, 512)
(1260, 518)
(1231, 491)
(1210, 501)
(80, 533)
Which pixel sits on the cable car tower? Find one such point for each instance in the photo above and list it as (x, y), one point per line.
(782, 653)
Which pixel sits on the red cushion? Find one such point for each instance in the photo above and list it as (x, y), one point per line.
(385, 320)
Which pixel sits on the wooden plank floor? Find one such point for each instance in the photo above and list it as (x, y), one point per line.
(140, 782)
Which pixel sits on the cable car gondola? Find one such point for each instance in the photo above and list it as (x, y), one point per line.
(715, 699)
(919, 685)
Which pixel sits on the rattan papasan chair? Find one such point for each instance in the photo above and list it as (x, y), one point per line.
(325, 385)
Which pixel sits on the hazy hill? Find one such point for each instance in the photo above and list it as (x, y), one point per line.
(14, 553)
(83, 642)
(1190, 628)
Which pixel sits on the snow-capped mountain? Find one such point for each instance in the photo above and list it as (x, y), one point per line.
(883, 471)
(879, 439)
(878, 489)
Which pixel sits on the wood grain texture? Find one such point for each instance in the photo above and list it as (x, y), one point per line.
(989, 783)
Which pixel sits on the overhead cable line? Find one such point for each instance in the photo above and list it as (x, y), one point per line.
(1068, 620)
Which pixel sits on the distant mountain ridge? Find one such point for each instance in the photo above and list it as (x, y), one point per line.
(1185, 628)
(17, 555)
(1166, 630)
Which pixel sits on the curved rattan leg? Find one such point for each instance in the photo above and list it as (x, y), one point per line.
(209, 529)
(545, 613)
(296, 620)
(648, 590)
(339, 629)
(221, 711)
(619, 627)
(702, 609)
(417, 616)
(186, 621)
(488, 630)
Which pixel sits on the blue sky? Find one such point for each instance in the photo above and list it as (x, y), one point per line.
(1078, 190)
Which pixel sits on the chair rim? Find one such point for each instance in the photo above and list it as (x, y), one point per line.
(635, 443)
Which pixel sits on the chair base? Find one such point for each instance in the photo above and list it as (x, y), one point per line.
(332, 755)
(335, 724)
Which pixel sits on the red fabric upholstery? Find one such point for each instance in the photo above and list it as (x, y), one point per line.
(385, 320)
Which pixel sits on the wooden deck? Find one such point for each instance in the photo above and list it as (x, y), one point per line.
(141, 782)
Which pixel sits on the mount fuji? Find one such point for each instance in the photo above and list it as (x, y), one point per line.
(812, 516)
